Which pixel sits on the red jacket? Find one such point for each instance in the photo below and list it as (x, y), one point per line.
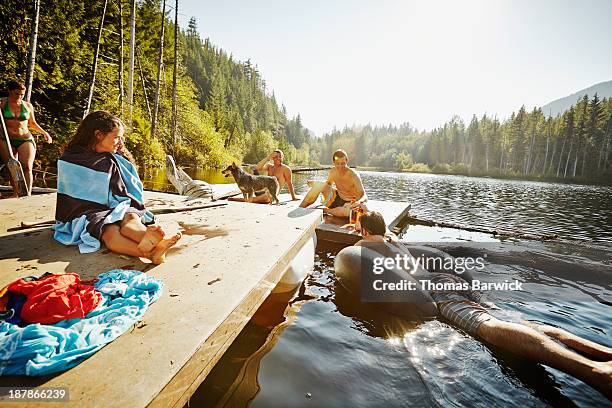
(55, 297)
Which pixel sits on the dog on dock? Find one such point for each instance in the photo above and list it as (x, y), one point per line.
(249, 184)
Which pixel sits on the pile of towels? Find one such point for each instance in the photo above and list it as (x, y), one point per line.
(52, 323)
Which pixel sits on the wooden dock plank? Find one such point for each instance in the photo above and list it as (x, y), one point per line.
(332, 230)
(242, 248)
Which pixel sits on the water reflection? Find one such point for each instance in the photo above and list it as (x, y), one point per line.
(572, 211)
(340, 352)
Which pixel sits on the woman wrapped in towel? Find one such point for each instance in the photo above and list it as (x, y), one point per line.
(100, 196)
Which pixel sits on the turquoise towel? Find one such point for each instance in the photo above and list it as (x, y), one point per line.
(39, 349)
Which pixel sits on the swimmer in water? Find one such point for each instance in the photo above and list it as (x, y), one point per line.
(536, 342)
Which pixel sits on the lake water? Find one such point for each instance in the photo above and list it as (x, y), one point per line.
(321, 347)
(573, 211)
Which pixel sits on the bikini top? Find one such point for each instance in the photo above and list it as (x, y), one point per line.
(8, 114)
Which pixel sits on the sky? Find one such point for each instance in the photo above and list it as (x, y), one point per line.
(349, 62)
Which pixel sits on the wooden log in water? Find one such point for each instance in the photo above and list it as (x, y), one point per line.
(412, 219)
(305, 169)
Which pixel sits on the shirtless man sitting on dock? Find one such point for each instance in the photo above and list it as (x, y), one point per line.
(348, 192)
(551, 346)
(273, 165)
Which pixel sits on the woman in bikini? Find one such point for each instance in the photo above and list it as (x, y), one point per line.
(19, 118)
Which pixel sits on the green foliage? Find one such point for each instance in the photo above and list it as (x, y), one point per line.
(260, 145)
(224, 108)
(442, 168)
(403, 161)
(235, 96)
(150, 151)
(419, 168)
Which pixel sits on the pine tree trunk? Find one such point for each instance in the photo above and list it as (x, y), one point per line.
(174, 77)
(583, 160)
(120, 59)
(575, 162)
(144, 86)
(604, 146)
(534, 163)
(130, 95)
(94, 65)
(160, 62)
(552, 158)
(530, 153)
(501, 158)
(605, 161)
(32, 55)
(561, 157)
(568, 158)
(546, 154)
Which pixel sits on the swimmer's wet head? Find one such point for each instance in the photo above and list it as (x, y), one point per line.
(371, 223)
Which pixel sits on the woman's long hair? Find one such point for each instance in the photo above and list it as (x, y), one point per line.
(102, 121)
(15, 85)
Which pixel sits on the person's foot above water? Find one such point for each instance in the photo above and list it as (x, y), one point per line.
(159, 253)
(152, 237)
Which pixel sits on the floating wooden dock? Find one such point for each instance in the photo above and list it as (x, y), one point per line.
(228, 261)
(333, 229)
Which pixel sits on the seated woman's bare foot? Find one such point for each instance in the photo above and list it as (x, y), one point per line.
(159, 253)
(152, 237)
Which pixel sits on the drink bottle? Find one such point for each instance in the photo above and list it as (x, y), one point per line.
(355, 214)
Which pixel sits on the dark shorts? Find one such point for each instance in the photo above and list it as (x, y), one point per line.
(457, 306)
(338, 202)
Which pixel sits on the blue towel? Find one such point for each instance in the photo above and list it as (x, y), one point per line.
(93, 190)
(39, 349)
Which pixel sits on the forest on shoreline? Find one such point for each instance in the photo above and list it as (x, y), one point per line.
(574, 146)
(226, 112)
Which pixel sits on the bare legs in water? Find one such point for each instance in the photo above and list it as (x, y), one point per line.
(536, 343)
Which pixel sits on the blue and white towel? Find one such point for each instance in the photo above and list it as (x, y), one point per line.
(93, 190)
(39, 349)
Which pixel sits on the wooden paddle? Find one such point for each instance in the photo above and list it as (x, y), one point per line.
(13, 165)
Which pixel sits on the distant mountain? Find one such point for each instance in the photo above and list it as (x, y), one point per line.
(603, 90)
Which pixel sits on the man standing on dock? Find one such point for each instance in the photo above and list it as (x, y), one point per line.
(347, 194)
